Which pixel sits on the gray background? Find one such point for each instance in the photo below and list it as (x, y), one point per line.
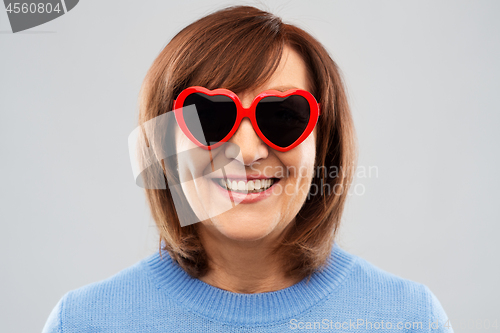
(423, 80)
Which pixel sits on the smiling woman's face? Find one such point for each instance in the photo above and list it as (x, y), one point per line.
(267, 213)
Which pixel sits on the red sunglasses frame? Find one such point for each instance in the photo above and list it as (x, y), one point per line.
(242, 112)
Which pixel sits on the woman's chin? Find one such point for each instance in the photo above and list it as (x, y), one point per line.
(241, 229)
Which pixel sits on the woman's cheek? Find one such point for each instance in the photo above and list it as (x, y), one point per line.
(299, 163)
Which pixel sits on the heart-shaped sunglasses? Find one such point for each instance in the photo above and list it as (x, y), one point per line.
(281, 119)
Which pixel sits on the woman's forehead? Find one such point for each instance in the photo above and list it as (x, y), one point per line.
(291, 73)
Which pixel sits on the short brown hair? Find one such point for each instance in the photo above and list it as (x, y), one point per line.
(239, 48)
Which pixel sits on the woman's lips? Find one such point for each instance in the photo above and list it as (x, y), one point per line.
(241, 196)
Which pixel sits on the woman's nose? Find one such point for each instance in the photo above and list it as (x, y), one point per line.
(252, 148)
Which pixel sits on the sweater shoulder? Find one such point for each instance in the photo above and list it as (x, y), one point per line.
(364, 272)
(129, 278)
(108, 296)
(377, 291)
(370, 279)
(78, 309)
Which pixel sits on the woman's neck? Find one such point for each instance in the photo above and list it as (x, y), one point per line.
(243, 267)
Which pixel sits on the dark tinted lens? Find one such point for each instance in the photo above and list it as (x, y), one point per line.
(216, 115)
(283, 119)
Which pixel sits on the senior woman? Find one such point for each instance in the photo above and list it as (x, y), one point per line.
(249, 213)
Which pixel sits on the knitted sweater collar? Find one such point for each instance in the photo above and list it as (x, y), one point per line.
(248, 309)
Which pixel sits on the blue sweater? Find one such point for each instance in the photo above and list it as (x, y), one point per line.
(156, 295)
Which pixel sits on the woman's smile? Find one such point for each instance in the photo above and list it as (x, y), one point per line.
(246, 190)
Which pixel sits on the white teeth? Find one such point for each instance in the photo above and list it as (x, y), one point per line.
(257, 185)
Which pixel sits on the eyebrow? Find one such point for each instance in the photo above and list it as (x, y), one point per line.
(283, 88)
